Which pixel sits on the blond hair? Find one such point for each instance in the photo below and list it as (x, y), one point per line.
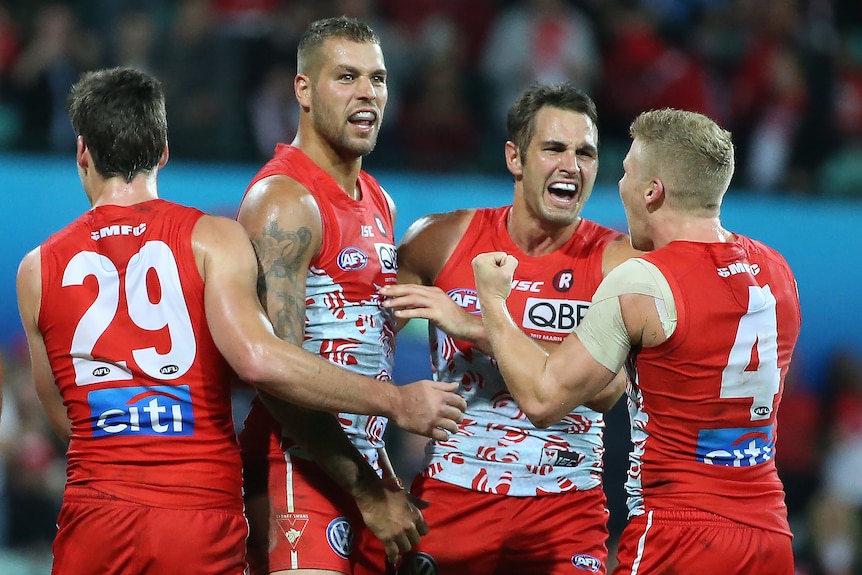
(690, 154)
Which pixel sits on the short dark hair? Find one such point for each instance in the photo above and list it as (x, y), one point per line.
(563, 95)
(120, 113)
(343, 27)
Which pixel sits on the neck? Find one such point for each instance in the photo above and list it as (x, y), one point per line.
(536, 237)
(691, 229)
(343, 169)
(116, 191)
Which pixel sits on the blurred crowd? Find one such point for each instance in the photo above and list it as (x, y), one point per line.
(784, 75)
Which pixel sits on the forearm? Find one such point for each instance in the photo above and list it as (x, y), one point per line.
(320, 435)
(520, 360)
(294, 375)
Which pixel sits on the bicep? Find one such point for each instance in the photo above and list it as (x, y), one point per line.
(285, 230)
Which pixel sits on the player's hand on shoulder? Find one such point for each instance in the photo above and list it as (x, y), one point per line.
(430, 408)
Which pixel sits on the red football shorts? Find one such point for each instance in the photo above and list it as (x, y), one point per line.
(689, 541)
(299, 517)
(475, 533)
(101, 534)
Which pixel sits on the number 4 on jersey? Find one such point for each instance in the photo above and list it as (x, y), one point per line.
(752, 367)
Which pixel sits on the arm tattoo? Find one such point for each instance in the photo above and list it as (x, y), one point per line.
(281, 281)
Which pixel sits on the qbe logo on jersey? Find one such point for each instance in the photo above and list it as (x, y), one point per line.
(554, 315)
(156, 410)
(736, 447)
(388, 258)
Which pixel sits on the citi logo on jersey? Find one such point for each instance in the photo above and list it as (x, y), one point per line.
(736, 447)
(118, 230)
(466, 298)
(155, 410)
(352, 259)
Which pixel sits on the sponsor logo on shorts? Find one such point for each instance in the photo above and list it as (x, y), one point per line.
(153, 410)
(554, 315)
(736, 447)
(292, 525)
(339, 535)
(422, 564)
(587, 563)
(352, 259)
(466, 298)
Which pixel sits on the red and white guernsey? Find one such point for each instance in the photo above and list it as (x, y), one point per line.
(704, 405)
(497, 449)
(145, 387)
(345, 322)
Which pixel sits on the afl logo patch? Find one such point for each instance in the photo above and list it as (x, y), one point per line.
(466, 298)
(422, 564)
(381, 227)
(339, 535)
(563, 280)
(587, 563)
(352, 259)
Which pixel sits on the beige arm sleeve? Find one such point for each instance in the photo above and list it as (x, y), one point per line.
(603, 331)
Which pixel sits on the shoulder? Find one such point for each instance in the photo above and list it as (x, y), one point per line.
(617, 251)
(29, 285)
(444, 227)
(278, 201)
(430, 242)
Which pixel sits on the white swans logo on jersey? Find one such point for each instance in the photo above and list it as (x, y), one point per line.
(422, 564)
(466, 298)
(153, 410)
(352, 259)
(586, 562)
(554, 315)
(388, 258)
(736, 447)
(339, 535)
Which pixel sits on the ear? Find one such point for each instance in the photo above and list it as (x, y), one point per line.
(513, 159)
(165, 155)
(654, 194)
(82, 154)
(302, 90)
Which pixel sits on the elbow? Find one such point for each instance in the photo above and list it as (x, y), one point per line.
(252, 366)
(541, 414)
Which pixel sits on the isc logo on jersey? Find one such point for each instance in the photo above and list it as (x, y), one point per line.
(352, 259)
(388, 258)
(736, 447)
(554, 315)
(156, 410)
